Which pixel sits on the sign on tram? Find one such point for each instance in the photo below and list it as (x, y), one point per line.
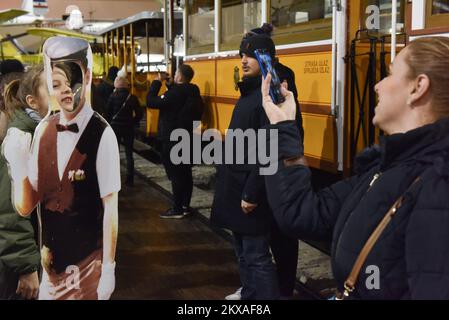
(40, 7)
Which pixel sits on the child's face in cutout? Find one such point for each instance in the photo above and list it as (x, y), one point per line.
(62, 90)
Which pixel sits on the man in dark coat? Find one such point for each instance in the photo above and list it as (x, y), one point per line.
(123, 113)
(284, 248)
(171, 107)
(240, 201)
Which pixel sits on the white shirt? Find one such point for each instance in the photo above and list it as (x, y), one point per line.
(108, 157)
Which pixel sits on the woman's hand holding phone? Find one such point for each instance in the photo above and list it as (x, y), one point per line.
(281, 112)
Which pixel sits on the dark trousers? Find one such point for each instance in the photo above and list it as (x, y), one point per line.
(8, 284)
(180, 176)
(285, 253)
(256, 268)
(125, 135)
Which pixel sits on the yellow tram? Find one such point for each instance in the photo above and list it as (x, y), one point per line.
(10, 50)
(129, 40)
(337, 49)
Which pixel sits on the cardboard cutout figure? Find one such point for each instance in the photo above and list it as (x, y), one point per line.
(73, 171)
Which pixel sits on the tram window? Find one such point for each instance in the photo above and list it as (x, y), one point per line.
(200, 24)
(237, 18)
(376, 16)
(437, 13)
(301, 21)
(440, 7)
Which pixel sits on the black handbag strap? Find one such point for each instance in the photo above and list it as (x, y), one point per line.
(122, 107)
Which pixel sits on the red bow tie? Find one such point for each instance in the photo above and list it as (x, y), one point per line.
(71, 127)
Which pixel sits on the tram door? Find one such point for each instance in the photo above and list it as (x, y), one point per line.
(367, 60)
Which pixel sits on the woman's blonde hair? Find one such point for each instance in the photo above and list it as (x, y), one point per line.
(430, 56)
(17, 91)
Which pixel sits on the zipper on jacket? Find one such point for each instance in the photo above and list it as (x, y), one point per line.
(373, 180)
(375, 177)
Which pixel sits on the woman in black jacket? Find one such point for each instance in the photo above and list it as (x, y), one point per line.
(410, 259)
(123, 112)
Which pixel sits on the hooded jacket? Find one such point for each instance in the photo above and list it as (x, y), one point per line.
(19, 251)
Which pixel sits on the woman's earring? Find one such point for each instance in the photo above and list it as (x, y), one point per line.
(409, 102)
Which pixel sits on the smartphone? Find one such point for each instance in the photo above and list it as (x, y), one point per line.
(266, 66)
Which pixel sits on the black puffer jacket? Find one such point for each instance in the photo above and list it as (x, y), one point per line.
(127, 116)
(412, 254)
(237, 182)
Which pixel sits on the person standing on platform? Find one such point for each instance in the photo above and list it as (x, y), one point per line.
(284, 248)
(240, 203)
(123, 113)
(176, 111)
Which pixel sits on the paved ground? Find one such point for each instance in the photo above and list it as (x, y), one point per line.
(313, 266)
(168, 259)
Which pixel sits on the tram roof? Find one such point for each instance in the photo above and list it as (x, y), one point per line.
(155, 20)
(51, 32)
(6, 15)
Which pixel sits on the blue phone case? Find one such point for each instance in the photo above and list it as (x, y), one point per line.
(264, 59)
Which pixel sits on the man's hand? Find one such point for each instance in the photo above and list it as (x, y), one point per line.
(248, 207)
(16, 150)
(28, 286)
(283, 111)
(106, 285)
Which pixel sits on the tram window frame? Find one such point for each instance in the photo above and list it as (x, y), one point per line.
(233, 42)
(437, 20)
(307, 31)
(199, 49)
(401, 18)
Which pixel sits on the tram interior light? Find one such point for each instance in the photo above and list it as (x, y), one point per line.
(301, 17)
(399, 26)
(156, 63)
